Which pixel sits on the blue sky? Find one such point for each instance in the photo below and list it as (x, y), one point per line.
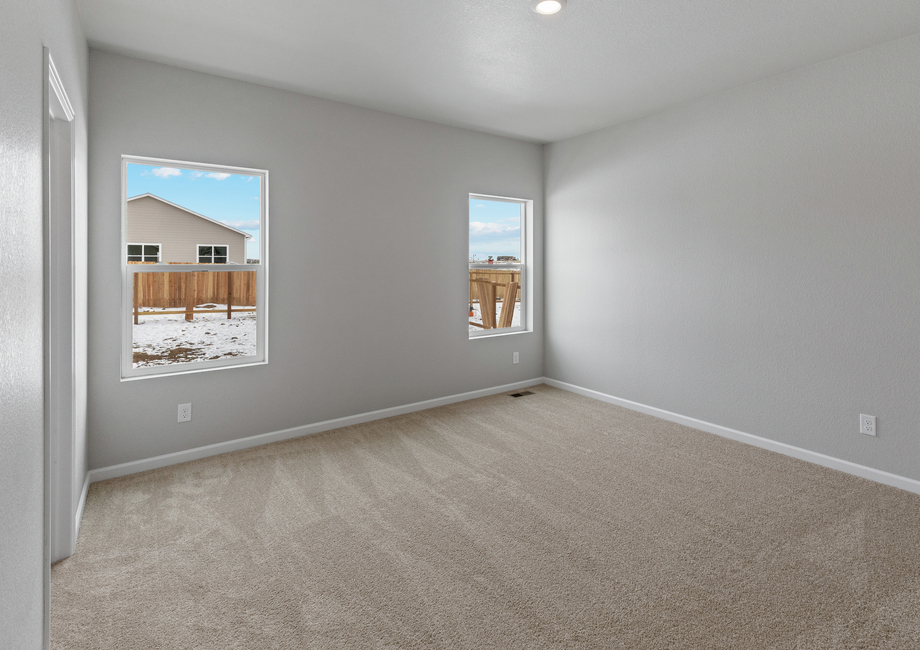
(232, 199)
(495, 229)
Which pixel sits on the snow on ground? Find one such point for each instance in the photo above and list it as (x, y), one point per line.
(167, 339)
(477, 317)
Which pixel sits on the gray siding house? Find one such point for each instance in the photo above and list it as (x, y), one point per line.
(161, 231)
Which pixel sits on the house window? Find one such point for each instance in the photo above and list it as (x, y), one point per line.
(143, 252)
(212, 254)
(200, 306)
(497, 264)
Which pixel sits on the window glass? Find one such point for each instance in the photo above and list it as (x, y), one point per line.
(193, 305)
(496, 264)
(143, 252)
(212, 254)
(190, 317)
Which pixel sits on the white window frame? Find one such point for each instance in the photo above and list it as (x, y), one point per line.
(198, 252)
(149, 243)
(524, 267)
(128, 371)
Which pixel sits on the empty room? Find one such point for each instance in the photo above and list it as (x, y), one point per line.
(475, 324)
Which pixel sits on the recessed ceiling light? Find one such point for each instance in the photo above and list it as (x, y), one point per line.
(547, 7)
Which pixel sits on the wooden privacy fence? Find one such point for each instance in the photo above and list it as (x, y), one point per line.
(487, 286)
(187, 289)
(487, 298)
(502, 276)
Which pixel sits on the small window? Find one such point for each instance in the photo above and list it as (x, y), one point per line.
(212, 254)
(143, 252)
(497, 268)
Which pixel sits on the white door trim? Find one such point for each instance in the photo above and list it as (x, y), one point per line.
(58, 202)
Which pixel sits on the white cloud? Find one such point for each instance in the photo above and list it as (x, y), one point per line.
(165, 172)
(243, 225)
(479, 228)
(218, 176)
(480, 205)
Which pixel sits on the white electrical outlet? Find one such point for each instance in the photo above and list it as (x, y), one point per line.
(185, 412)
(514, 357)
(867, 424)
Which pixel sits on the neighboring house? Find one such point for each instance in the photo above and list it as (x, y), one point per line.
(161, 231)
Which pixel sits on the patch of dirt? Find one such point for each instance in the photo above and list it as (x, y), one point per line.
(142, 358)
(185, 353)
(176, 355)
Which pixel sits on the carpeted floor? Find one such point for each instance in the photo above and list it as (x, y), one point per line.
(546, 521)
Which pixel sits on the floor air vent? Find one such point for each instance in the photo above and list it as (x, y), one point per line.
(521, 394)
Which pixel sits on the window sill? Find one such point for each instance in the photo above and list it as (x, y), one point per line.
(497, 334)
(189, 371)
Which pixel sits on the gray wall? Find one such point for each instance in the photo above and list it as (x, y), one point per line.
(752, 259)
(368, 256)
(24, 28)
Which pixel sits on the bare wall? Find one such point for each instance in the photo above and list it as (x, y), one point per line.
(25, 27)
(368, 247)
(751, 259)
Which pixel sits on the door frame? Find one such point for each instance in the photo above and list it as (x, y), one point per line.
(59, 330)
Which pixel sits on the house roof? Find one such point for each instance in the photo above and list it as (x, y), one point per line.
(200, 216)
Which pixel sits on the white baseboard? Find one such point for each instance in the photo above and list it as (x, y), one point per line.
(78, 517)
(877, 475)
(133, 467)
(123, 469)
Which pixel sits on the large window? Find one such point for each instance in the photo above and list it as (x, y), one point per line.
(497, 268)
(187, 305)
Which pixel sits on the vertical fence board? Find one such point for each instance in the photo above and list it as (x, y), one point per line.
(486, 304)
(507, 307)
(229, 294)
(136, 298)
(190, 280)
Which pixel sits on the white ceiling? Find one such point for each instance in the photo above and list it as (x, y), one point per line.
(494, 65)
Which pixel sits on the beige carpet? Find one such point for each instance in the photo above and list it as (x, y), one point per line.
(546, 521)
